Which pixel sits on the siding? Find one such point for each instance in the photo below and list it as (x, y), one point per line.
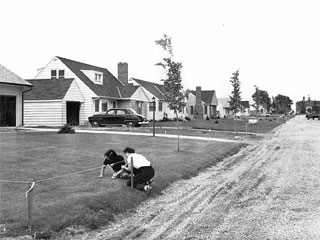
(85, 96)
(44, 113)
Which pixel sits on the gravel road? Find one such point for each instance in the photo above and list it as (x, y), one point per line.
(269, 190)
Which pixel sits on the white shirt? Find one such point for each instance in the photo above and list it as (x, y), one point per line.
(138, 160)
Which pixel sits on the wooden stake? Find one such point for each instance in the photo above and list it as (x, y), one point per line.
(29, 196)
(131, 170)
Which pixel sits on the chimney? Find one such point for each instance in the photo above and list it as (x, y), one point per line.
(198, 108)
(123, 72)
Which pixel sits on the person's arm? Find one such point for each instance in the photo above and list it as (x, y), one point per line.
(117, 173)
(102, 171)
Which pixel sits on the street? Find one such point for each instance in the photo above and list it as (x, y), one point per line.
(269, 190)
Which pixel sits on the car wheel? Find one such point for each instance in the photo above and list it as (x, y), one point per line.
(94, 124)
(132, 124)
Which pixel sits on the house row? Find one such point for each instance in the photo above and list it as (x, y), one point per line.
(68, 91)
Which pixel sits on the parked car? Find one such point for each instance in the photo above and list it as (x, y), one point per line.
(118, 116)
(313, 115)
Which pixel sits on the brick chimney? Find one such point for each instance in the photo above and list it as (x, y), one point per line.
(198, 110)
(123, 72)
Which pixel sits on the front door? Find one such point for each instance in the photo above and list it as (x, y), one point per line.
(73, 112)
(7, 111)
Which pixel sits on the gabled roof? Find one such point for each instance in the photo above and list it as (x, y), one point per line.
(48, 89)
(127, 91)
(224, 102)
(110, 83)
(154, 88)
(207, 96)
(245, 104)
(8, 77)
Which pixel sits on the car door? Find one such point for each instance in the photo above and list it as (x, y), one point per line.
(120, 116)
(109, 117)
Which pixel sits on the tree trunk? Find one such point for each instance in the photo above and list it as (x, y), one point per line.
(176, 112)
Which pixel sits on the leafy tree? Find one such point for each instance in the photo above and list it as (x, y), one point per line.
(235, 98)
(261, 98)
(282, 104)
(173, 89)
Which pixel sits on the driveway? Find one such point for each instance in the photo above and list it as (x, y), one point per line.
(269, 190)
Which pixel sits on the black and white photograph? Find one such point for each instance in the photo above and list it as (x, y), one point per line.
(159, 119)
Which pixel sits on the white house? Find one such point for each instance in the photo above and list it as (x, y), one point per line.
(12, 90)
(154, 90)
(67, 91)
(202, 104)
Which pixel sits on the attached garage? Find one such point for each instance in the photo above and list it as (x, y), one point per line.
(12, 89)
(53, 102)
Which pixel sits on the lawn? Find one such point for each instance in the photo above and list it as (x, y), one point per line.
(84, 199)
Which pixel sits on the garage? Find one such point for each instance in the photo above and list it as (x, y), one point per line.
(12, 89)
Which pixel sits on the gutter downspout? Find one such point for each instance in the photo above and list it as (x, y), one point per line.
(22, 123)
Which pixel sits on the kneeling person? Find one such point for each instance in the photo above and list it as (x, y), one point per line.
(142, 170)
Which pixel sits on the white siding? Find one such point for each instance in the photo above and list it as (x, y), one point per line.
(54, 64)
(74, 93)
(85, 95)
(13, 90)
(44, 113)
(139, 95)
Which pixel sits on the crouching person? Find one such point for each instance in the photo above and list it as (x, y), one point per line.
(142, 170)
(115, 161)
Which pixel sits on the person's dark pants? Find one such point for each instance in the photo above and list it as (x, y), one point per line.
(141, 176)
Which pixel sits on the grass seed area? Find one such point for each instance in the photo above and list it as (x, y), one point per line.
(84, 199)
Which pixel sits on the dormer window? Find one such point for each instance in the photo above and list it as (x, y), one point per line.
(57, 74)
(98, 77)
(95, 76)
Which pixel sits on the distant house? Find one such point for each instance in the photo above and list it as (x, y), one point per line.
(305, 106)
(245, 108)
(156, 90)
(224, 107)
(12, 90)
(202, 104)
(67, 91)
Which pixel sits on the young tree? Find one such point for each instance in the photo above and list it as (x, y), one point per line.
(173, 89)
(235, 98)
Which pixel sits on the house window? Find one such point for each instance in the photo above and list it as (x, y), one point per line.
(61, 73)
(57, 74)
(205, 109)
(104, 105)
(98, 77)
(96, 105)
(53, 73)
(160, 107)
(191, 110)
(114, 105)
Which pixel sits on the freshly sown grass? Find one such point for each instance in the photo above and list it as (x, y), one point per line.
(84, 199)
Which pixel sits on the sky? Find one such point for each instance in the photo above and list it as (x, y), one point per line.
(275, 44)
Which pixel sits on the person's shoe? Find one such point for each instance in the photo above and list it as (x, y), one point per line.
(147, 189)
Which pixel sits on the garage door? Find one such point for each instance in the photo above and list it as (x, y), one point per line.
(7, 111)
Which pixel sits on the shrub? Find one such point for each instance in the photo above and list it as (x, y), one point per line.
(207, 118)
(66, 129)
(187, 118)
